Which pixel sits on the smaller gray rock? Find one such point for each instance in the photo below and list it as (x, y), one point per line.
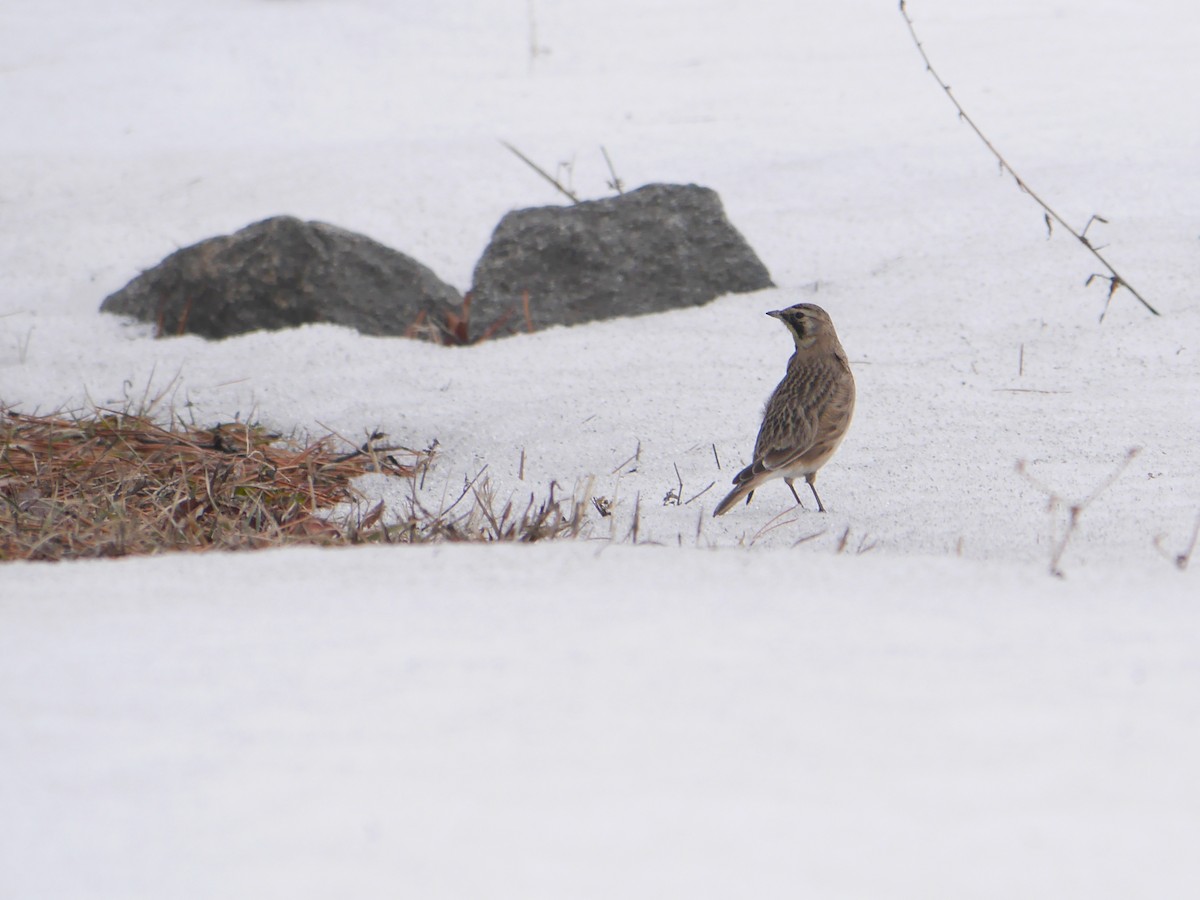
(662, 246)
(280, 273)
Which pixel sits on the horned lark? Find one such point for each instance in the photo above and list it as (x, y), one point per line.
(807, 415)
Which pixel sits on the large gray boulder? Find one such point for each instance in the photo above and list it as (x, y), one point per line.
(662, 246)
(283, 272)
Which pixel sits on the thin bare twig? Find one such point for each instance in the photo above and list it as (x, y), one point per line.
(776, 521)
(637, 455)
(615, 183)
(711, 484)
(1074, 510)
(535, 48)
(1114, 278)
(550, 178)
(1184, 558)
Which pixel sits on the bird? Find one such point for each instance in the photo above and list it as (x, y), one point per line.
(807, 415)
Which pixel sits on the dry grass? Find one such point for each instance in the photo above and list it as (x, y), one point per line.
(116, 483)
(453, 328)
(113, 484)
(478, 516)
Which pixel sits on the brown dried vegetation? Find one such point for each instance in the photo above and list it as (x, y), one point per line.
(113, 484)
(116, 483)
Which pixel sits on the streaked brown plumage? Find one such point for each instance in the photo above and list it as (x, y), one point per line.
(807, 415)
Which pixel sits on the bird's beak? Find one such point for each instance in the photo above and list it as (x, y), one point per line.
(775, 313)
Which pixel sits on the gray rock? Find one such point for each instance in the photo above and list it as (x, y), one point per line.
(662, 246)
(283, 272)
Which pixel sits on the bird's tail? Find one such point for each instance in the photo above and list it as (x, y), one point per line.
(734, 496)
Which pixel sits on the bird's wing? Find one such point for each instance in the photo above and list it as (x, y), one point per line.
(784, 437)
(780, 442)
(783, 457)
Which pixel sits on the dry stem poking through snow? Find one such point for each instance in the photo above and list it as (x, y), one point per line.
(1114, 278)
(1054, 501)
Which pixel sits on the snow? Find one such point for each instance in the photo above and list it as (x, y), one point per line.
(893, 699)
(658, 721)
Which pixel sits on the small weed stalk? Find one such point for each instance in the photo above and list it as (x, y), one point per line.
(558, 185)
(1184, 558)
(1054, 500)
(674, 496)
(614, 180)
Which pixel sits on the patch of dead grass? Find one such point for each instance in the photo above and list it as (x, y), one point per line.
(479, 515)
(113, 484)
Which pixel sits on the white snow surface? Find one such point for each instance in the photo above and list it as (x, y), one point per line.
(894, 699)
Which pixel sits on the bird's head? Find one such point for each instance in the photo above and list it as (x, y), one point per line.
(807, 322)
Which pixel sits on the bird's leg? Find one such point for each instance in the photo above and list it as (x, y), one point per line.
(792, 488)
(811, 479)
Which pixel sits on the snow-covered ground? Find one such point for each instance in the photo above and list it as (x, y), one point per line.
(891, 700)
